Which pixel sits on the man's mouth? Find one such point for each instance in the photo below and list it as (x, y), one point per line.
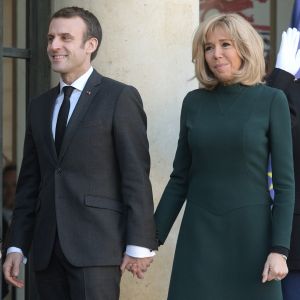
(58, 57)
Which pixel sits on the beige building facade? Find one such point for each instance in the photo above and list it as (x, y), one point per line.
(147, 44)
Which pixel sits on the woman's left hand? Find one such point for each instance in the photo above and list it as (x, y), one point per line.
(275, 268)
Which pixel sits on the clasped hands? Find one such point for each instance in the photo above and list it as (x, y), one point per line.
(137, 266)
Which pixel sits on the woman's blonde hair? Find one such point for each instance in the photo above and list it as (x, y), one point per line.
(247, 41)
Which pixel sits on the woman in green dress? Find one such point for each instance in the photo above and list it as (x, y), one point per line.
(233, 242)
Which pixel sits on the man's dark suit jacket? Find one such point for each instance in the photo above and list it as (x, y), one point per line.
(96, 195)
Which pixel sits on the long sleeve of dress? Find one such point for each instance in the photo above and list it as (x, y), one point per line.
(175, 192)
(282, 167)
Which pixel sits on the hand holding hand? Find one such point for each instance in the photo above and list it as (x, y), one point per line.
(288, 57)
(275, 268)
(137, 266)
(11, 269)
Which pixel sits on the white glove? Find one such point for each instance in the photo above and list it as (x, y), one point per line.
(288, 57)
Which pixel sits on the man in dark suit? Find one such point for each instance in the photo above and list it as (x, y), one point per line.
(83, 193)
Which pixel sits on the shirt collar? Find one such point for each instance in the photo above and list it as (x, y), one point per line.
(79, 83)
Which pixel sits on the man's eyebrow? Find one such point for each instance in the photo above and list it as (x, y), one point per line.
(65, 33)
(60, 34)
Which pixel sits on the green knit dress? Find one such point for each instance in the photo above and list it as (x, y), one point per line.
(220, 169)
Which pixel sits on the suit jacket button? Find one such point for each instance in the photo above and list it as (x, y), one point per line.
(59, 171)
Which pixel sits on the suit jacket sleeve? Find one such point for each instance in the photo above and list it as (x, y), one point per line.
(132, 151)
(283, 80)
(23, 221)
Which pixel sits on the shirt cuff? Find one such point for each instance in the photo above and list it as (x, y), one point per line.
(138, 252)
(17, 250)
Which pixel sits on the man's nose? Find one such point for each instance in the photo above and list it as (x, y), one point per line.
(55, 43)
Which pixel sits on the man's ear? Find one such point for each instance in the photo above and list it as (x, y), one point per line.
(91, 45)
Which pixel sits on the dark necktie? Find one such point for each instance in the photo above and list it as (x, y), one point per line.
(62, 118)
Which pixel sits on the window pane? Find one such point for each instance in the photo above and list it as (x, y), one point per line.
(14, 23)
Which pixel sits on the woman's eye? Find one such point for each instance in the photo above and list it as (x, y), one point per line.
(226, 44)
(207, 48)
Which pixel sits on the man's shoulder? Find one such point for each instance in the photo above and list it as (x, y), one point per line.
(49, 94)
(113, 83)
(116, 89)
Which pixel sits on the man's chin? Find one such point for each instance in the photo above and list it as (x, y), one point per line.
(57, 69)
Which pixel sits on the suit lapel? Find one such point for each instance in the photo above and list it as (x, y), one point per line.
(88, 94)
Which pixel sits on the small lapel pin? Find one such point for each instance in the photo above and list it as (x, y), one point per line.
(88, 92)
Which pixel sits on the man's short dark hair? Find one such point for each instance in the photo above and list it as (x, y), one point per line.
(92, 23)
